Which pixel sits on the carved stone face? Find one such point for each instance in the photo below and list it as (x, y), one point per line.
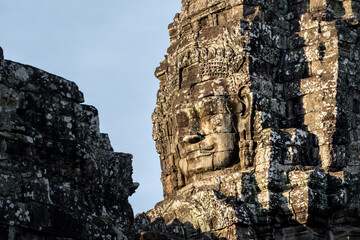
(202, 120)
(204, 129)
(202, 123)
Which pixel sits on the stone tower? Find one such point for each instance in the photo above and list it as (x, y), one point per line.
(257, 121)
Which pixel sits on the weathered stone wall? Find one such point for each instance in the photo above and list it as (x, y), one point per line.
(257, 121)
(59, 176)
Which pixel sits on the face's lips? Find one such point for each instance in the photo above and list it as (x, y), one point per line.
(206, 148)
(199, 149)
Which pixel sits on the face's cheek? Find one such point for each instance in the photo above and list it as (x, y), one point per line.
(181, 145)
(183, 164)
(225, 153)
(181, 133)
(221, 142)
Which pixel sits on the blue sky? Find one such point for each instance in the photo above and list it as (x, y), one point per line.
(110, 48)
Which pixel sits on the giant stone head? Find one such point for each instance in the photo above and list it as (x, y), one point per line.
(203, 117)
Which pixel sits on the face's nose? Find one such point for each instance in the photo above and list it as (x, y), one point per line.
(194, 133)
(194, 138)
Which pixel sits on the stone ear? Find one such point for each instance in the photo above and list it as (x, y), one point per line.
(244, 99)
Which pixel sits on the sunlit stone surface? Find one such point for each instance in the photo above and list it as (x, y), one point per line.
(257, 122)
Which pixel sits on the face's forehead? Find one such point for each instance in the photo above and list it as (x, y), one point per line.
(199, 92)
(210, 105)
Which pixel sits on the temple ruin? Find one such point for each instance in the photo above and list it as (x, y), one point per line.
(257, 124)
(256, 121)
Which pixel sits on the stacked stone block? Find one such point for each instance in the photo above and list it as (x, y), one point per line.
(59, 176)
(296, 127)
